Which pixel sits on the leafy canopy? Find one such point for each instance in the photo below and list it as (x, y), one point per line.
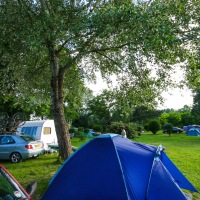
(118, 37)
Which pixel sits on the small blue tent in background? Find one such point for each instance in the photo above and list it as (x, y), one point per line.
(110, 167)
(194, 132)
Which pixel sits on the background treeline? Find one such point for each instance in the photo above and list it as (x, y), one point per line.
(102, 115)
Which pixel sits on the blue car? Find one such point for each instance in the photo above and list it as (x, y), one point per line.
(18, 147)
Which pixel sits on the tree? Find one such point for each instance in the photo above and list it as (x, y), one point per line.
(173, 117)
(196, 106)
(131, 129)
(168, 128)
(49, 38)
(154, 126)
(192, 39)
(180, 118)
(143, 114)
(100, 108)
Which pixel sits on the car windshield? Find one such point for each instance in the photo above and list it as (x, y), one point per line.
(9, 189)
(27, 138)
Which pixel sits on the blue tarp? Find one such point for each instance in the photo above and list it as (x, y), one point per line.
(110, 167)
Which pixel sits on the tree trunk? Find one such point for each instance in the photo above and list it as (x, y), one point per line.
(62, 129)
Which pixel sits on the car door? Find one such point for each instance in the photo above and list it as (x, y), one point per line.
(7, 145)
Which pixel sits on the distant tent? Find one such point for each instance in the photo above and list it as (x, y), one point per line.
(193, 132)
(89, 134)
(189, 127)
(110, 167)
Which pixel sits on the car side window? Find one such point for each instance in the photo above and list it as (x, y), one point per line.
(6, 140)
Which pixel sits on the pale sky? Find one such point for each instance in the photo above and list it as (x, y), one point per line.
(177, 98)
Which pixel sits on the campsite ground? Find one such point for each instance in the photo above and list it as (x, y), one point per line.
(184, 151)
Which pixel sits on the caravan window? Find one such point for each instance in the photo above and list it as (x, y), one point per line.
(29, 131)
(47, 131)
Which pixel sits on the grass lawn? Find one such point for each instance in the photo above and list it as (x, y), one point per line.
(184, 151)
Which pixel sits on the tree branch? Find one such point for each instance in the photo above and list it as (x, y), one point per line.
(109, 48)
(107, 57)
(62, 46)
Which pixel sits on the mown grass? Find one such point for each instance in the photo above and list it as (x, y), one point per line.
(184, 151)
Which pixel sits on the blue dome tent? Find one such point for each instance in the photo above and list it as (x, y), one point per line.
(110, 167)
(194, 132)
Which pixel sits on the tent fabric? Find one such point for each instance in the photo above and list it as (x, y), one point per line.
(112, 167)
(179, 178)
(194, 132)
(162, 185)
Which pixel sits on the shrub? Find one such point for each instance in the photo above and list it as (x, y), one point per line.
(115, 127)
(86, 130)
(81, 129)
(146, 127)
(98, 128)
(154, 126)
(81, 136)
(73, 131)
(131, 128)
(167, 128)
(140, 128)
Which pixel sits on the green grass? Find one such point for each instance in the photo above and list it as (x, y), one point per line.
(184, 151)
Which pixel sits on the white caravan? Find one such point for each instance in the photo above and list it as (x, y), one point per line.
(43, 130)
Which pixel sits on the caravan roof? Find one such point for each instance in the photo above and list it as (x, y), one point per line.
(37, 123)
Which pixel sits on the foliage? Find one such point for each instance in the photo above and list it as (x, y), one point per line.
(105, 108)
(179, 118)
(192, 68)
(99, 109)
(73, 130)
(131, 128)
(143, 114)
(42, 110)
(154, 126)
(81, 136)
(11, 105)
(74, 93)
(82, 121)
(196, 106)
(187, 118)
(81, 129)
(98, 128)
(115, 127)
(171, 117)
(167, 128)
(86, 130)
(146, 126)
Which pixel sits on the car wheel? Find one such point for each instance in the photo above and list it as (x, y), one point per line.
(15, 157)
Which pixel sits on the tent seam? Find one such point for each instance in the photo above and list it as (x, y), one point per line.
(155, 157)
(122, 172)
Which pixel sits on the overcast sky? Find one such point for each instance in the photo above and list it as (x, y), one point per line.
(178, 98)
